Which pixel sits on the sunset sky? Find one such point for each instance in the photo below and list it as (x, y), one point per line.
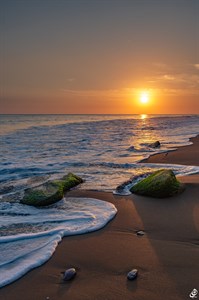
(90, 56)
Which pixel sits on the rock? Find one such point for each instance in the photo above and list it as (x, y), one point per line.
(131, 148)
(155, 144)
(132, 274)
(51, 191)
(159, 184)
(148, 128)
(69, 274)
(140, 233)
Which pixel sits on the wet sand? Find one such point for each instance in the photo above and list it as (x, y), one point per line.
(167, 256)
(186, 155)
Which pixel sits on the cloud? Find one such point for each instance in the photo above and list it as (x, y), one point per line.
(177, 78)
(94, 93)
(71, 79)
(165, 78)
(168, 77)
(160, 65)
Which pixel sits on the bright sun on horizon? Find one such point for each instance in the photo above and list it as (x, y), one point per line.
(144, 97)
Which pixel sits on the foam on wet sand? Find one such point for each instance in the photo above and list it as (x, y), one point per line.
(166, 257)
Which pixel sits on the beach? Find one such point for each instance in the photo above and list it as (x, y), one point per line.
(185, 155)
(99, 150)
(166, 256)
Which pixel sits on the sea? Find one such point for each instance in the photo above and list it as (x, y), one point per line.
(105, 150)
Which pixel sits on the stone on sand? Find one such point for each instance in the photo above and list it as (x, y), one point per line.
(69, 274)
(132, 274)
(51, 191)
(160, 184)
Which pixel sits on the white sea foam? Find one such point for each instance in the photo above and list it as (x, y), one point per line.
(95, 147)
(104, 150)
(21, 252)
(142, 169)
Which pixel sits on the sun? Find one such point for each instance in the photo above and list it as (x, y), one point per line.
(144, 97)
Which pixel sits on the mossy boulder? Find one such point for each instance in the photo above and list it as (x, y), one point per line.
(51, 191)
(160, 184)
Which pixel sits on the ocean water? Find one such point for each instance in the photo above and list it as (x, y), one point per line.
(29, 235)
(105, 150)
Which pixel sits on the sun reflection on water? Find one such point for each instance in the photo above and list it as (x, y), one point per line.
(143, 116)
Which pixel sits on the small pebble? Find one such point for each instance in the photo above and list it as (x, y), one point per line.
(132, 274)
(140, 233)
(69, 274)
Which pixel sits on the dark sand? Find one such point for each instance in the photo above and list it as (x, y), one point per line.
(186, 155)
(167, 256)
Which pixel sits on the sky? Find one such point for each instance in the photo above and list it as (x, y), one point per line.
(99, 56)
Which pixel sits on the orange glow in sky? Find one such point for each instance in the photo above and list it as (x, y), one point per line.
(90, 57)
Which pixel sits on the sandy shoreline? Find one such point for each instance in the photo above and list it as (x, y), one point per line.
(166, 256)
(185, 155)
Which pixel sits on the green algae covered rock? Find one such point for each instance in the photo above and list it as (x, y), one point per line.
(51, 191)
(160, 184)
